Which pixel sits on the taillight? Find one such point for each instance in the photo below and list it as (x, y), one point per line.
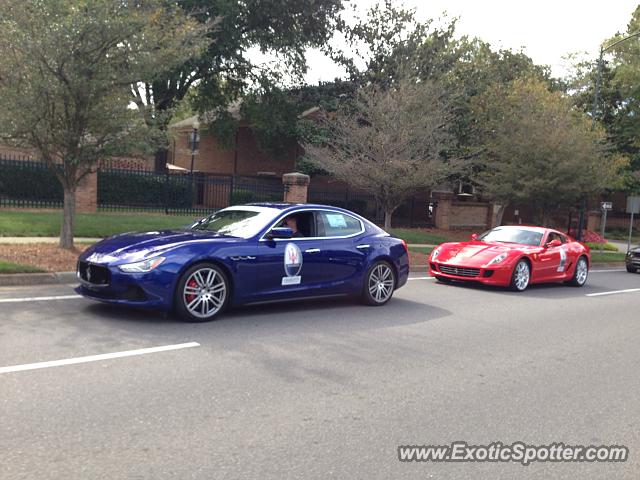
(404, 244)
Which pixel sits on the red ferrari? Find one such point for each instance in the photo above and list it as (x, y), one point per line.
(513, 256)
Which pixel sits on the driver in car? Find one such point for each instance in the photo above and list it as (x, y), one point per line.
(292, 223)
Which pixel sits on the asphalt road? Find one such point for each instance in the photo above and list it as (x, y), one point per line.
(325, 389)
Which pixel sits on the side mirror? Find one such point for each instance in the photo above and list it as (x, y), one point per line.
(474, 236)
(280, 232)
(554, 243)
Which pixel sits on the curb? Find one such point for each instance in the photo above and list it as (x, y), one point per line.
(21, 279)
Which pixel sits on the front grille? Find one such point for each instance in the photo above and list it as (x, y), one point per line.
(460, 271)
(636, 254)
(94, 274)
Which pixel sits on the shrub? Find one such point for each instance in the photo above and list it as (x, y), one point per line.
(23, 180)
(132, 188)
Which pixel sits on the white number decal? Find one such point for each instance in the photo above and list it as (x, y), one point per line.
(563, 260)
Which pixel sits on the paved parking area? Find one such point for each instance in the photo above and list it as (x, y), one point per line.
(323, 389)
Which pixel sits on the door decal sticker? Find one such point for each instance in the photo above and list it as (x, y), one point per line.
(563, 260)
(292, 264)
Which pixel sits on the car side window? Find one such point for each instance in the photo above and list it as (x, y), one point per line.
(556, 236)
(336, 224)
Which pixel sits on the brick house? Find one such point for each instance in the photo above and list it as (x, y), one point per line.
(243, 157)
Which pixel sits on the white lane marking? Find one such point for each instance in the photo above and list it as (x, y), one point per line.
(613, 292)
(420, 278)
(607, 271)
(96, 358)
(39, 299)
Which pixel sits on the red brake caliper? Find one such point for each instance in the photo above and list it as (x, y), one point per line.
(192, 283)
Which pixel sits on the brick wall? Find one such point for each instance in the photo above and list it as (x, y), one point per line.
(469, 215)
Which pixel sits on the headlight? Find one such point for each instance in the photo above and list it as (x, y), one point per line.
(143, 266)
(435, 253)
(498, 259)
(629, 253)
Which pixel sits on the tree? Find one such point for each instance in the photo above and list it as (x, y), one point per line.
(226, 71)
(66, 67)
(539, 150)
(388, 142)
(618, 108)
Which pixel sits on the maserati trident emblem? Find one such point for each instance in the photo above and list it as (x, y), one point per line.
(88, 273)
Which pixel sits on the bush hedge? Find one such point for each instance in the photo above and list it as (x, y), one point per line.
(144, 189)
(23, 180)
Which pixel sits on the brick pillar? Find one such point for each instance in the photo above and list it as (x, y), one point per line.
(296, 186)
(443, 210)
(87, 194)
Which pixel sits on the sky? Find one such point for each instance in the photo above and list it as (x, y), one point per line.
(546, 30)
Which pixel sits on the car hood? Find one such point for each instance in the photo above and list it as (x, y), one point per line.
(134, 247)
(477, 253)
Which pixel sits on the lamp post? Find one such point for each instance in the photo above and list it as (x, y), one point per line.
(594, 113)
(195, 141)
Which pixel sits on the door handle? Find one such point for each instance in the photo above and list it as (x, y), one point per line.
(312, 250)
(363, 246)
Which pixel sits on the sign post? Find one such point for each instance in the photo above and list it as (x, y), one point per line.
(605, 207)
(633, 207)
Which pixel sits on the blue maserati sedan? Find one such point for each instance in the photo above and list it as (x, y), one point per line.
(254, 253)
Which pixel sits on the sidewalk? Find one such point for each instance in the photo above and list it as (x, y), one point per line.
(29, 240)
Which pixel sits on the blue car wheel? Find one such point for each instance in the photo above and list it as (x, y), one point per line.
(203, 293)
(379, 284)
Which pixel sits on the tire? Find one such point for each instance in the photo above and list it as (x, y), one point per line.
(203, 293)
(631, 269)
(521, 276)
(580, 273)
(379, 283)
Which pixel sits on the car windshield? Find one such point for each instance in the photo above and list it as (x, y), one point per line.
(512, 235)
(243, 223)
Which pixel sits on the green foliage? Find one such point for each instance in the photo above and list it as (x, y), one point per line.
(539, 150)
(131, 189)
(226, 71)
(607, 247)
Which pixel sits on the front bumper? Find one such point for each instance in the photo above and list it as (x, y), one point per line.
(633, 260)
(147, 290)
(498, 275)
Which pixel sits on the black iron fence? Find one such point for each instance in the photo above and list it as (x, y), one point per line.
(25, 183)
(31, 184)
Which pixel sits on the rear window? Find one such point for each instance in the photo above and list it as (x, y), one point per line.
(336, 224)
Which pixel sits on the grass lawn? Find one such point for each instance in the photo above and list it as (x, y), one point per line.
(415, 235)
(9, 267)
(597, 257)
(47, 224)
(421, 250)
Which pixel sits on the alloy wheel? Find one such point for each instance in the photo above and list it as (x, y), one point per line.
(204, 293)
(381, 283)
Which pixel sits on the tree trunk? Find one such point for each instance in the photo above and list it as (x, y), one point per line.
(500, 214)
(68, 218)
(387, 218)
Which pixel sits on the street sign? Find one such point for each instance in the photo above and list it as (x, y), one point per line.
(606, 205)
(633, 205)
